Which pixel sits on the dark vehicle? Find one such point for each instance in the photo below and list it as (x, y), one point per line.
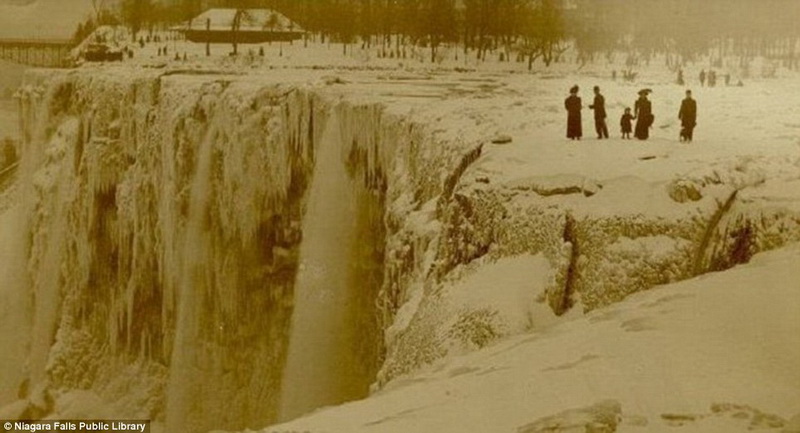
(101, 53)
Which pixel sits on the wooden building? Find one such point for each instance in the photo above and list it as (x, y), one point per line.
(244, 26)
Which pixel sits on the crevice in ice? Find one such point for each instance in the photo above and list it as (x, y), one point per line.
(460, 243)
(742, 236)
(452, 180)
(7, 176)
(462, 240)
(701, 257)
(571, 239)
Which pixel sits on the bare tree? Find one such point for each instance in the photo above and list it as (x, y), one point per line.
(543, 33)
(439, 24)
(98, 6)
(236, 24)
(136, 13)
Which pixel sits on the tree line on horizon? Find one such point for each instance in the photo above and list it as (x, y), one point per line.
(524, 30)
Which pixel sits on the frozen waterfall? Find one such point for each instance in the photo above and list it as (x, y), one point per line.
(323, 340)
(191, 287)
(220, 252)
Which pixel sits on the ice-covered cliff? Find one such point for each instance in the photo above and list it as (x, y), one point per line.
(163, 221)
(196, 247)
(162, 218)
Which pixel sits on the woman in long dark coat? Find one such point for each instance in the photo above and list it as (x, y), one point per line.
(643, 113)
(573, 106)
(688, 117)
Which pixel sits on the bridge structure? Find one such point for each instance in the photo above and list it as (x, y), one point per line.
(49, 53)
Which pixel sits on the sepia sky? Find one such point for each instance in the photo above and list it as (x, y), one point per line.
(41, 19)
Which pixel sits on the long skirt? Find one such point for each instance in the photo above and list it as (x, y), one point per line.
(574, 127)
(643, 123)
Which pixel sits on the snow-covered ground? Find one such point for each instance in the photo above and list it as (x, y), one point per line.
(483, 240)
(715, 354)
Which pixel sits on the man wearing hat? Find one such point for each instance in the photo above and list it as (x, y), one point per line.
(573, 106)
(599, 108)
(688, 117)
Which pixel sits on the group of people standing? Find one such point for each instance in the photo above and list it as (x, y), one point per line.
(643, 115)
(710, 78)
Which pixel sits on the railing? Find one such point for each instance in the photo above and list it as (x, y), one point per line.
(36, 42)
(37, 52)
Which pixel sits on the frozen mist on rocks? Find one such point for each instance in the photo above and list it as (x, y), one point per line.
(174, 238)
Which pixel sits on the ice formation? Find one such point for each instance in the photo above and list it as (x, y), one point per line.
(333, 338)
(199, 244)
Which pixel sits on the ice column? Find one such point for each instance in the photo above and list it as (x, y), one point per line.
(321, 367)
(191, 287)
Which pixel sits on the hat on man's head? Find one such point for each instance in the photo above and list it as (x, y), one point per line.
(574, 89)
(645, 92)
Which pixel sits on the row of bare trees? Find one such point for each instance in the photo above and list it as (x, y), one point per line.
(526, 29)
(531, 28)
(685, 30)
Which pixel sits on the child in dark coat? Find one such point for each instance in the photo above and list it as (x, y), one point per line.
(626, 122)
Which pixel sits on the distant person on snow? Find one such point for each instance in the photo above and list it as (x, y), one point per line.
(688, 117)
(643, 113)
(626, 123)
(599, 107)
(702, 78)
(573, 106)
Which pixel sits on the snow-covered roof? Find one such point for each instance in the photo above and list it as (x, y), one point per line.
(252, 20)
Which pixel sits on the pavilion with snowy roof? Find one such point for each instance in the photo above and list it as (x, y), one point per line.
(245, 26)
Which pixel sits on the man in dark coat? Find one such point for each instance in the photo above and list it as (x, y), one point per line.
(688, 117)
(643, 113)
(573, 106)
(599, 108)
